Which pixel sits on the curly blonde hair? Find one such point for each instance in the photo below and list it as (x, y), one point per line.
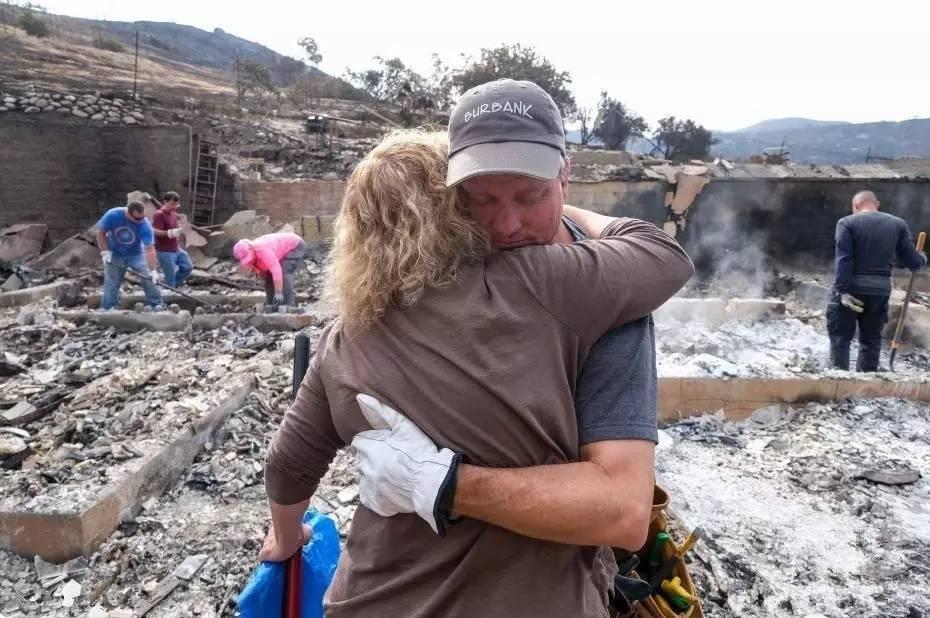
(399, 230)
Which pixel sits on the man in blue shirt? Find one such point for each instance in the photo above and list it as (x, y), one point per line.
(867, 244)
(126, 241)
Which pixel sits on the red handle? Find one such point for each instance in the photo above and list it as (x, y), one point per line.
(292, 577)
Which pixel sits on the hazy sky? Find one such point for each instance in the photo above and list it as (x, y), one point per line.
(726, 64)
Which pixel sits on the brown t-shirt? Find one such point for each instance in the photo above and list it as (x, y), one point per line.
(487, 367)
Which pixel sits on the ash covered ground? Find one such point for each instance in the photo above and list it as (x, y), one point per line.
(777, 348)
(793, 528)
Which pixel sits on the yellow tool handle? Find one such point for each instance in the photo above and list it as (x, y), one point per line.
(921, 239)
(696, 534)
(673, 586)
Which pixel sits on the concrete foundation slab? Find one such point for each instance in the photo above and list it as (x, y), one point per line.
(60, 536)
(130, 321)
(264, 322)
(739, 397)
(128, 301)
(164, 321)
(25, 296)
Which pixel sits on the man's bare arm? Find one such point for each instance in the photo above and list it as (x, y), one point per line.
(150, 257)
(102, 242)
(605, 499)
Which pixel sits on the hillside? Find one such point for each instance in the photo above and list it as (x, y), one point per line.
(812, 141)
(789, 124)
(176, 61)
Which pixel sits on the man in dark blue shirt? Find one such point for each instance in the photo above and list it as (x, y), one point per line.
(867, 244)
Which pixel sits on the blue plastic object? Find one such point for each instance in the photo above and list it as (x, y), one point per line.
(263, 595)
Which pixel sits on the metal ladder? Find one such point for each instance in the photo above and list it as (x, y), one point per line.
(203, 195)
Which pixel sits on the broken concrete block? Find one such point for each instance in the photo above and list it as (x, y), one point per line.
(11, 445)
(22, 242)
(13, 282)
(219, 245)
(72, 253)
(247, 224)
(199, 260)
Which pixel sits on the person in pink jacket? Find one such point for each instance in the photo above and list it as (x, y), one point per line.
(277, 257)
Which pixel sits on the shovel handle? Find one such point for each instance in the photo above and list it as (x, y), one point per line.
(896, 341)
(292, 581)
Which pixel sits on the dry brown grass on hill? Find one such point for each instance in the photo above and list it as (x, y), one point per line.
(65, 64)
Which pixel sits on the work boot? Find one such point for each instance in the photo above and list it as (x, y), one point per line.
(159, 308)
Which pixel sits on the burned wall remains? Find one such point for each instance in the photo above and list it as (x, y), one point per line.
(66, 175)
(744, 228)
(287, 202)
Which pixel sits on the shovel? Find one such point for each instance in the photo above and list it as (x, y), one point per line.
(175, 290)
(896, 342)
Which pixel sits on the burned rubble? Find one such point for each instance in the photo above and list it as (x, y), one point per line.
(816, 510)
(93, 404)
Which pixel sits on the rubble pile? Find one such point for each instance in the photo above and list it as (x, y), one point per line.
(80, 404)
(88, 398)
(90, 106)
(217, 513)
(815, 511)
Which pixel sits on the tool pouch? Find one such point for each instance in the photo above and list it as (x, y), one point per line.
(628, 601)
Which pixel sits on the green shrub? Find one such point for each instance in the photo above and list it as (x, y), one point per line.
(33, 25)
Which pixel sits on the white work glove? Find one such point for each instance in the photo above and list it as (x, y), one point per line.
(174, 233)
(154, 275)
(400, 469)
(851, 302)
(106, 256)
(278, 299)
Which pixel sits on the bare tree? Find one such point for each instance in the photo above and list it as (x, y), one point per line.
(585, 117)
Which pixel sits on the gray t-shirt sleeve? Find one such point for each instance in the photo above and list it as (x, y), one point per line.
(617, 392)
(618, 389)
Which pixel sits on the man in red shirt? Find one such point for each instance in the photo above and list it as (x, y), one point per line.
(174, 261)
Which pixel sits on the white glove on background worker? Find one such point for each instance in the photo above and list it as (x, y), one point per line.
(154, 275)
(278, 299)
(851, 302)
(400, 469)
(106, 256)
(174, 233)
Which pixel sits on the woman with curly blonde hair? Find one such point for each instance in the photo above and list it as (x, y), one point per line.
(389, 256)
(482, 349)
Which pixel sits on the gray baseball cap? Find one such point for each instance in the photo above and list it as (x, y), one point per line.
(505, 127)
